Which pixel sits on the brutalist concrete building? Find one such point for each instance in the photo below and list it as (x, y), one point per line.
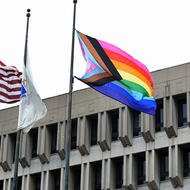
(112, 146)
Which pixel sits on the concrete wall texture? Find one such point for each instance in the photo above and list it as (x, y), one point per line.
(170, 86)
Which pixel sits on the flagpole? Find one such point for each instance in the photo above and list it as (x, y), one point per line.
(15, 179)
(68, 132)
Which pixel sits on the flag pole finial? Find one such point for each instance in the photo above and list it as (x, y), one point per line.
(74, 1)
(28, 13)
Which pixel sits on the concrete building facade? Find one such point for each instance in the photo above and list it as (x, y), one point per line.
(112, 146)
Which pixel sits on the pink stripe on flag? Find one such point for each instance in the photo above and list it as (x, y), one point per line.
(113, 48)
(90, 67)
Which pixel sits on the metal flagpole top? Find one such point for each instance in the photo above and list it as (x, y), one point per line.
(28, 13)
(74, 1)
(26, 38)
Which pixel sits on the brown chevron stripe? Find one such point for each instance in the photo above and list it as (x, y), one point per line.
(94, 53)
(97, 77)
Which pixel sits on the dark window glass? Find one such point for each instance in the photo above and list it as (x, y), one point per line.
(118, 173)
(55, 175)
(164, 166)
(57, 180)
(74, 134)
(141, 172)
(159, 117)
(19, 185)
(114, 119)
(37, 181)
(182, 112)
(1, 184)
(136, 123)
(93, 121)
(77, 176)
(34, 136)
(53, 135)
(97, 176)
(13, 144)
(186, 166)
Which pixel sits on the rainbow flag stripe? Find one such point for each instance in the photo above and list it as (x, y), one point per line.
(116, 74)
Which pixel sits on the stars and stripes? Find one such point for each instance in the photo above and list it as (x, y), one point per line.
(10, 84)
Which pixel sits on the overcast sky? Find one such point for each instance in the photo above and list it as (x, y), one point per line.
(156, 32)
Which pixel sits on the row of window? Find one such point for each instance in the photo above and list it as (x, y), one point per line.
(117, 169)
(35, 181)
(136, 121)
(114, 124)
(181, 108)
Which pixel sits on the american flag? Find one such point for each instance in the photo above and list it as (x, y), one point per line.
(10, 84)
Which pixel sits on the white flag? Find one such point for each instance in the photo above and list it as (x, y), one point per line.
(31, 108)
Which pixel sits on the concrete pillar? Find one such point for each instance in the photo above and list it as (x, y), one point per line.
(125, 126)
(6, 154)
(152, 170)
(7, 184)
(1, 151)
(147, 127)
(85, 177)
(175, 166)
(10, 184)
(25, 150)
(130, 172)
(83, 136)
(104, 131)
(25, 182)
(44, 144)
(188, 108)
(170, 117)
(61, 137)
(106, 174)
(45, 183)
(62, 179)
(4, 184)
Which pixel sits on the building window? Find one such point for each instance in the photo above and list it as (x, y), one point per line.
(74, 134)
(118, 170)
(164, 165)
(13, 145)
(96, 175)
(136, 123)
(182, 111)
(93, 122)
(186, 159)
(55, 176)
(77, 176)
(1, 184)
(141, 168)
(34, 138)
(114, 122)
(159, 117)
(36, 178)
(19, 185)
(53, 137)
